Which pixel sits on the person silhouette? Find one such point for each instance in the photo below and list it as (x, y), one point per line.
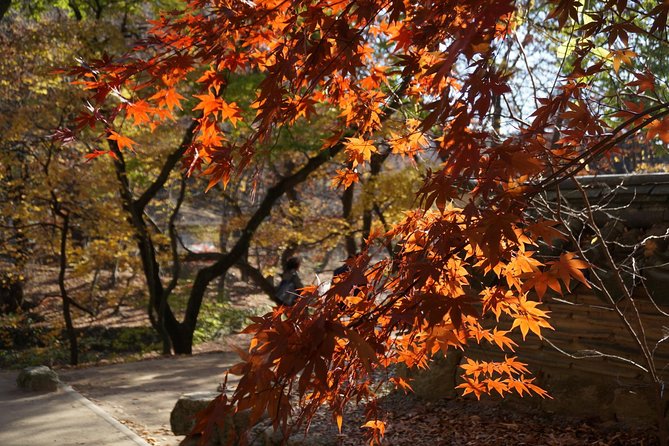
(287, 291)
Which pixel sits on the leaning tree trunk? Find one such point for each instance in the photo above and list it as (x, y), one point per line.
(67, 315)
(274, 193)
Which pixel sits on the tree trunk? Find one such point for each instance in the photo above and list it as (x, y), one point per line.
(222, 246)
(376, 165)
(347, 206)
(4, 7)
(69, 326)
(11, 294)
(274, 193)
(165, 322)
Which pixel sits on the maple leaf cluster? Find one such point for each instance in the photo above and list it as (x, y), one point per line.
(466, 260)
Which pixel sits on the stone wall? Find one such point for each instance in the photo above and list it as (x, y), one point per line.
(592, 364)
(588, 364)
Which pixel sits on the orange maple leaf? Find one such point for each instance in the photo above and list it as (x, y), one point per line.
(472, 386)
(208, 104)
(496, 385)
(529, 318)
(659, 128)
(96, 153)
(230, 111)
(376, 425)
(502, 340)
(121, 141)
(568, 267)
(541, 282)
(402, 383)
(621, 56)
(169, 98)
(139, 112)
(359, 150)
(345, 178)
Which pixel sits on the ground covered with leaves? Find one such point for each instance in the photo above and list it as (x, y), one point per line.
(409, 420)
(463, 421)
(141, 395)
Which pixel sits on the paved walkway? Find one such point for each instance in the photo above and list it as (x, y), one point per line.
(63, 418)
(114, 405)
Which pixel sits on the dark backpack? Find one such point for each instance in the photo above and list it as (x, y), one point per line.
(286, 292)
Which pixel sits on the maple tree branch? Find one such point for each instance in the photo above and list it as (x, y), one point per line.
(587, 354)
(192, 256)
(602, 146)
(256, 275)
(586, 217)
(176, 264)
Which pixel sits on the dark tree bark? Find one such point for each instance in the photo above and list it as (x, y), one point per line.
(67, 315)
(261, 281)
(161, 315)
(264, 283)
(4, 7)
(347, 206)
(11, 294)
(75, 9)
(375, 166)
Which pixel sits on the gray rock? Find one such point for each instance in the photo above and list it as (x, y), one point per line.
(38, 379)
(182, 418)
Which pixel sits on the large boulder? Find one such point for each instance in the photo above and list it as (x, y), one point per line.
(182, 421)
(38, 379)
(182, 418)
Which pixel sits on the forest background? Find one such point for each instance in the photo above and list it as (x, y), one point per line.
(135, 228)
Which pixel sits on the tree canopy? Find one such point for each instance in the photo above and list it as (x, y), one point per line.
(415, 81)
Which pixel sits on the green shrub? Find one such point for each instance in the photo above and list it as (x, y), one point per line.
(218, 319)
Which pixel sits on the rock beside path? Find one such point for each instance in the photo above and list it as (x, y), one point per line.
(182, 421)
(182, 418)
(38, 379)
